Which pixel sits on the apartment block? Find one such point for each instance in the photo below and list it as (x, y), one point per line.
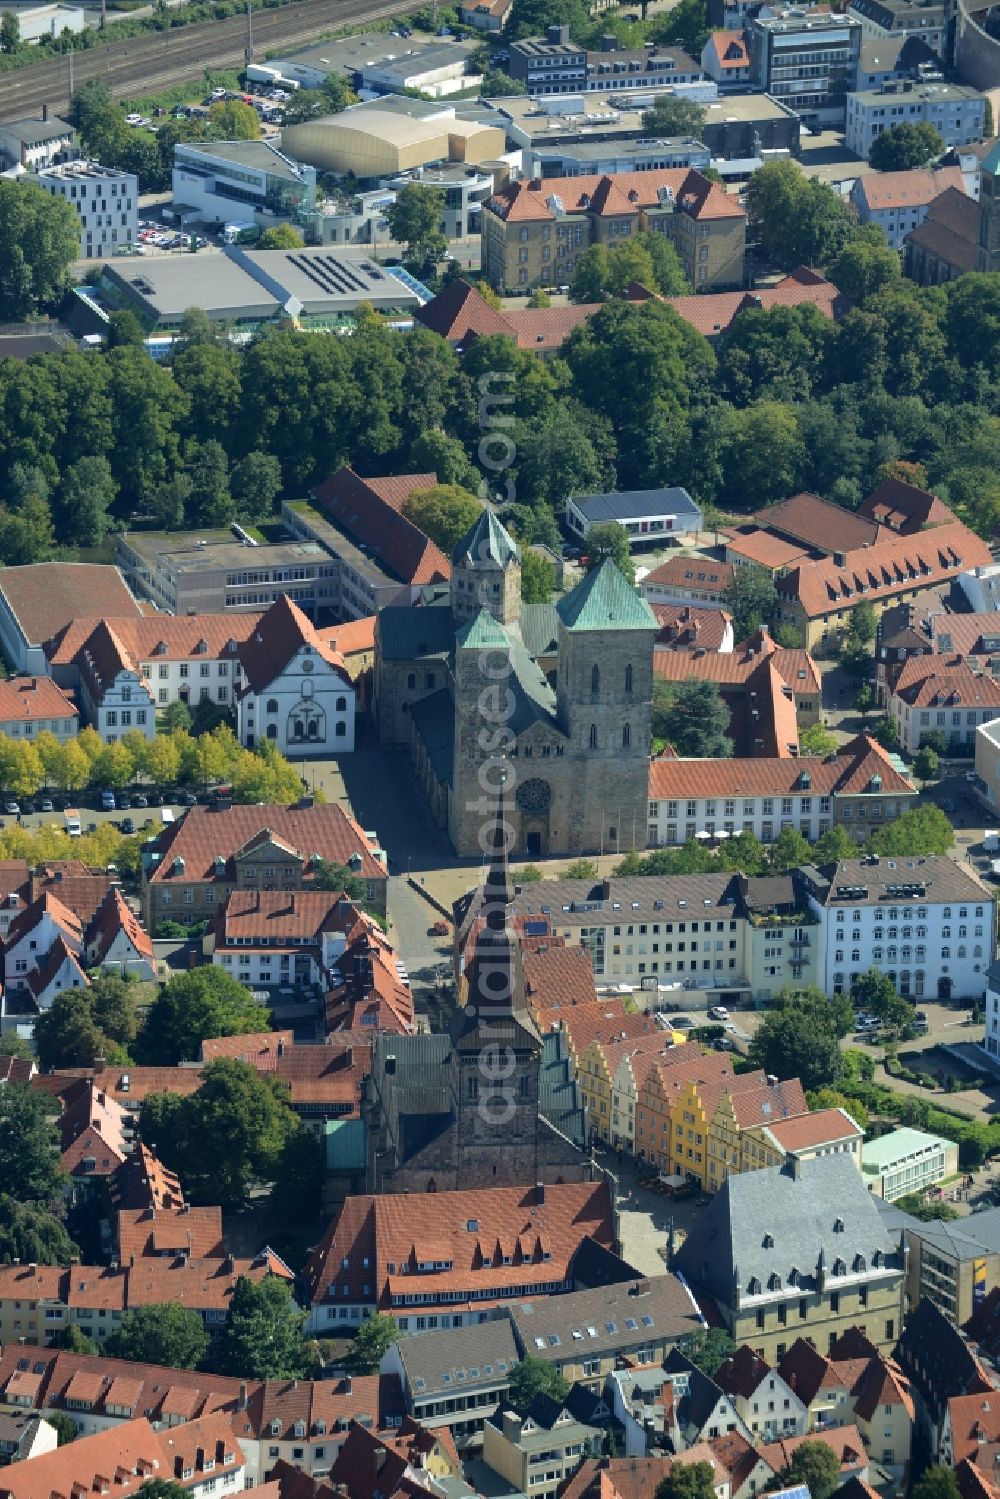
(956, 111)
(106, 202)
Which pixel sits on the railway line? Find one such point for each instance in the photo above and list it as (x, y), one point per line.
(161, 59)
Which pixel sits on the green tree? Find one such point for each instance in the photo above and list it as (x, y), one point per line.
(415, 221)
(531, 1377)
(935, 739)
(163, 1488)
(73, 1339)
(668, 269)
(864, 699)
(280, 237)
(228, 1138)
(13, 1045)
(194, 1007)
(162, 1333)
(39, 239)
(581, 869)
(902, 147)
(86, 496)
(814, 739)
(876, 994)
(926, 1212)
(671, 115)
(686, 25)
(210, 502)
(922, 830)
(750, 598)
(62, 1422)
(371, 1341)
(789, 850)
(708, 1349)
(340, 877)
(692, 716)
(125, 330)
(255, 485)
(610, 539)
(539, 298)
(299, 1176)
(887, 733)
(436, 452)
(865, 265)
(29, 1233)
(687, 1481)
(590, 279)
(926, 764)
(67, 1034)
(829, 1098)
(817, 1466)
(30, 1168)
(10, 32)
(799, 220)
(176, 715)
(232, 120)
(799, 1039)
(538, 577)
(262, 1337)
(445, 512)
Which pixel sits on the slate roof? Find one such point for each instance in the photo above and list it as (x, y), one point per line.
(602, 1321)
(950, 231)
(487, 540)
(605, 600)
(406, 634)
(485, 1355)
(778, 1221)
(627, 503)
(433, 720)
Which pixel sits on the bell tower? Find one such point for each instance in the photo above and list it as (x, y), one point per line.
(486, 572)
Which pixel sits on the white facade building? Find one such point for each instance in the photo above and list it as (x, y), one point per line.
(956, 112)
(295, 691)
(928, 923)
(105, 200)
(34, 143)
(981, 586)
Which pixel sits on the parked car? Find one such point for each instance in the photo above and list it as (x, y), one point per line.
(124, 801)
(108, 803)
(438, 929)
(128, 826)
(11, 808)
(140, 801)
(718, 1012)
(724, 1043)
(46, 805)
(187, 799)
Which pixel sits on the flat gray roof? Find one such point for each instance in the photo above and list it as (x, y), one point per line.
(257, 155)
(599, 120)
(925, 93)
(207, 550)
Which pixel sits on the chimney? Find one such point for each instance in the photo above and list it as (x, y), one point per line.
(45, 114)
(242, 1402)
(281, 1046)
(539, 1192)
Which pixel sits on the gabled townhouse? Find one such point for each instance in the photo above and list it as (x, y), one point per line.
(405, 1461)
(749, 1474)
(631, 1477)
(766, 1403)
(302, 1421)
(95, 1134)
(30, 938)
(844, 1441)
(740, 1109)
(443, 1259)
(203, 1457)
(23, 1437)
(802, 1138)
(536, 1452)
(80, 889)
(856, 1384)
(286, 683)
(142, 1183)
(211, 851)
(635, 1062)
(699, 1410)
(597, 1064)
(668, 1080)
(370, 989)
(941, 1366)
(116, 942)
(971, 1424)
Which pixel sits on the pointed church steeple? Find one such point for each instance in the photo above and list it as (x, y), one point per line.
(498, 892)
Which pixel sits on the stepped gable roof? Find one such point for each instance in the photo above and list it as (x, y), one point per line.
(817, 523)
(950, 230)
(605, 600)
(280, 635)
(205, 834)
(890, 566)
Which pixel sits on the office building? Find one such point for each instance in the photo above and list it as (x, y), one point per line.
(380, 139)
(106, 201)
(240, 181)
(208, 572)
(905, 1161)
(889, 19)
(557, 65)
(956, 112)
(807, 59)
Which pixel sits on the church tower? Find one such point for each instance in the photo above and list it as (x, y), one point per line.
(486, 572)
(604, 704)
(989, 212)
(496, 1049)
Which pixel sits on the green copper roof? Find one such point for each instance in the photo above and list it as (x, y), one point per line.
(482, 633)
(991, 161)
(487, 541)
(605, 600)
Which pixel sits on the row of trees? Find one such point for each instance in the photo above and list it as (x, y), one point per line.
(172, 758)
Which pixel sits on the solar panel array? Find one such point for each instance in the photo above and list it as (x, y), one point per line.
(332, 276)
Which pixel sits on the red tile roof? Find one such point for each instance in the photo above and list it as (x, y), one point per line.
(686, 627)
(159, 637)
(557, 974)
(850, 769)
(280, 634)
(693, 574)
(764, 549)
(881, 190)
(41, 978)
(395, 543)
(896, 565)
(252, 918)
(458, 310)
(150, 1231)
(730, 49)
(470, 1231)
(204, 834)
(822, 1127)
(353, 637)
(51, 906)
(616, 193)
(46, 596)
(930, 681)
(817, 523)
(28, 699)
(604, 1020)
(112, 919)
(845, 1441)
(974, 1419)
(92, 1125)
(712, 313)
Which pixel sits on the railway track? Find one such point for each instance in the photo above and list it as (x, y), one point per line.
(160, 59)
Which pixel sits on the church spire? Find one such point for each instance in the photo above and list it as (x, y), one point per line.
(498, 894)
